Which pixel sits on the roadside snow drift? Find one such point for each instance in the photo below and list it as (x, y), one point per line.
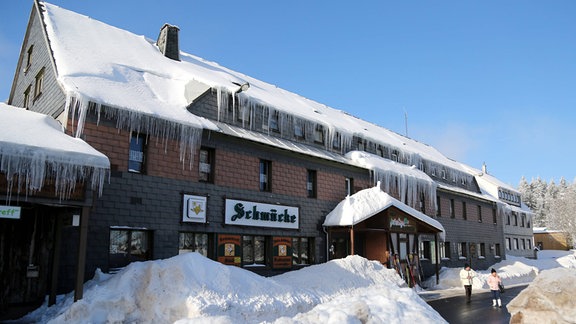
(191, 288)
(549, 298)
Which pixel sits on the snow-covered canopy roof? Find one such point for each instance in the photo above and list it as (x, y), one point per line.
(34, 146)
(369, 202)
(106, 65)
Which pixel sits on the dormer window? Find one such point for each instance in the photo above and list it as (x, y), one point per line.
(336, 141)
(299, 130)
(274, 121)
(360, 145)
(394, 156)
(443, 174)
(319, 134)
(379, 151)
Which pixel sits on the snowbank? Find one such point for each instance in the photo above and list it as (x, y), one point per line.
(513, 271)
(191, 288)
(548, 299)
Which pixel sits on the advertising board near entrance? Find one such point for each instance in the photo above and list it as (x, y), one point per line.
(12, 212)
(248, 213)
(194, 209)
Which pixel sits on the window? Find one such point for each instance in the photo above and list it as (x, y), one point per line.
(494, 216)
(274, 121)
(265, 175)
(452, 212)
(507, 218)
(508, 244)
(394, 156)
(349, 183)
(26, 103)
(464, 212)
(523, 244)
(302, 252)
(497, 252)
(129, 245)
(136, 160)
(39, 83)
(522, 220)
(443, 174)
(311, 183)
(479, 214)
(445, 252)
(299, 130)
(438, 206)
(206, 165)
(425, 251)
(319, 134)
(515, 218)
(253, 250)
(529, 243)
(336, 141)
(515, 244)
(422, 203)
(360, 145)
(29, 58)
(193, 242)
(379, 151)
(481, 250)
(462, 251)
(244, 114)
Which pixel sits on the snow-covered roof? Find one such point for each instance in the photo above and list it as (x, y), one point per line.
(106, 65)
(34, 146)
(281, 143)
(369, 202)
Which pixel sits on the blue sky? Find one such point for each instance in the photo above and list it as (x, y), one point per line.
(482, 81)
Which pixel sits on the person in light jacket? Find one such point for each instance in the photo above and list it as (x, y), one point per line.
(493, 282)
(466, 276)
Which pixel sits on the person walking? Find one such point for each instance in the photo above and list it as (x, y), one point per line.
(466, 276)
(494, 282)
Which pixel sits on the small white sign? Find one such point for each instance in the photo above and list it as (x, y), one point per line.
(12, 212)
(194, 209)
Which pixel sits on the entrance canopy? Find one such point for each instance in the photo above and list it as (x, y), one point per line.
(369, 202)
(34, 146)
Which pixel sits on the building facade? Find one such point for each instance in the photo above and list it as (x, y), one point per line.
(235, 168)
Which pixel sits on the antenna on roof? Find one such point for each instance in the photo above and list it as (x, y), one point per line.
(406, 121)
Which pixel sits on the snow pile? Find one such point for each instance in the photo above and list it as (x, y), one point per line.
(191, 288)
(548, 299)
(513, 271)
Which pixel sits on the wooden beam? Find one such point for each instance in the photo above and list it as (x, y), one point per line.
(81, 263)
(55, 261)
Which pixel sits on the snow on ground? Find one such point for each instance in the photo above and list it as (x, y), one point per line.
(191, 288)
(548, 299)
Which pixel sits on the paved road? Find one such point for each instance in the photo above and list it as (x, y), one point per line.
(455, 310)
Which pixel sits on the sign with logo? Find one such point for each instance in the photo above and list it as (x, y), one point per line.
(194, 209)
(282, 252)
(248, 213)
(12, 212)
(229, 251)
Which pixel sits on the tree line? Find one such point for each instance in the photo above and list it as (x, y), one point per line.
(553, 204)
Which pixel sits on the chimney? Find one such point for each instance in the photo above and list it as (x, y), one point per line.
(484, 170)
(168, 42)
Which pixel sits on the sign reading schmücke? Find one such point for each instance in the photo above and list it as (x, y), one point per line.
(248, 213)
